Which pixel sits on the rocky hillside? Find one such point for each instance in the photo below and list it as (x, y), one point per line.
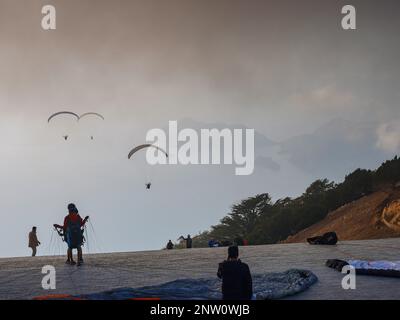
(372, 217)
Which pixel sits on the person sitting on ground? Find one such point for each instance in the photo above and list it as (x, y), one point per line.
(170, 245)
(237, 283)
(33, 241)
(72, 230)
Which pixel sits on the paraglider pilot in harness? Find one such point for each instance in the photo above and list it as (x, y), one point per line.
(72, 233)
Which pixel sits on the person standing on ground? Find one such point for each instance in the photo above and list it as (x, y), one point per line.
(237, 283)
(188, 241)
(73, 233)
(33, 241)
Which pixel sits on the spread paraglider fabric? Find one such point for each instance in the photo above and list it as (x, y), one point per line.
(265, 286)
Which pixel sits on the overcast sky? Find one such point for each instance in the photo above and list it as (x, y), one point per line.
(323, 101)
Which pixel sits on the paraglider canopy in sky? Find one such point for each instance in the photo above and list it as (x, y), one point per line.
(143, 146)
(91, 114)
(63, 113)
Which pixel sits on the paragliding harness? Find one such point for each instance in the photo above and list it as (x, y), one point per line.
(74, 235)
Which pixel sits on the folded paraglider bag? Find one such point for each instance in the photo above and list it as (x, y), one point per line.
(336, 264)
(329, 238)
(314, 240)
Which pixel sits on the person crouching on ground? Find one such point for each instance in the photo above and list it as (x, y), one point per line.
(72, 229)
(33, 241)
(237, 283)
